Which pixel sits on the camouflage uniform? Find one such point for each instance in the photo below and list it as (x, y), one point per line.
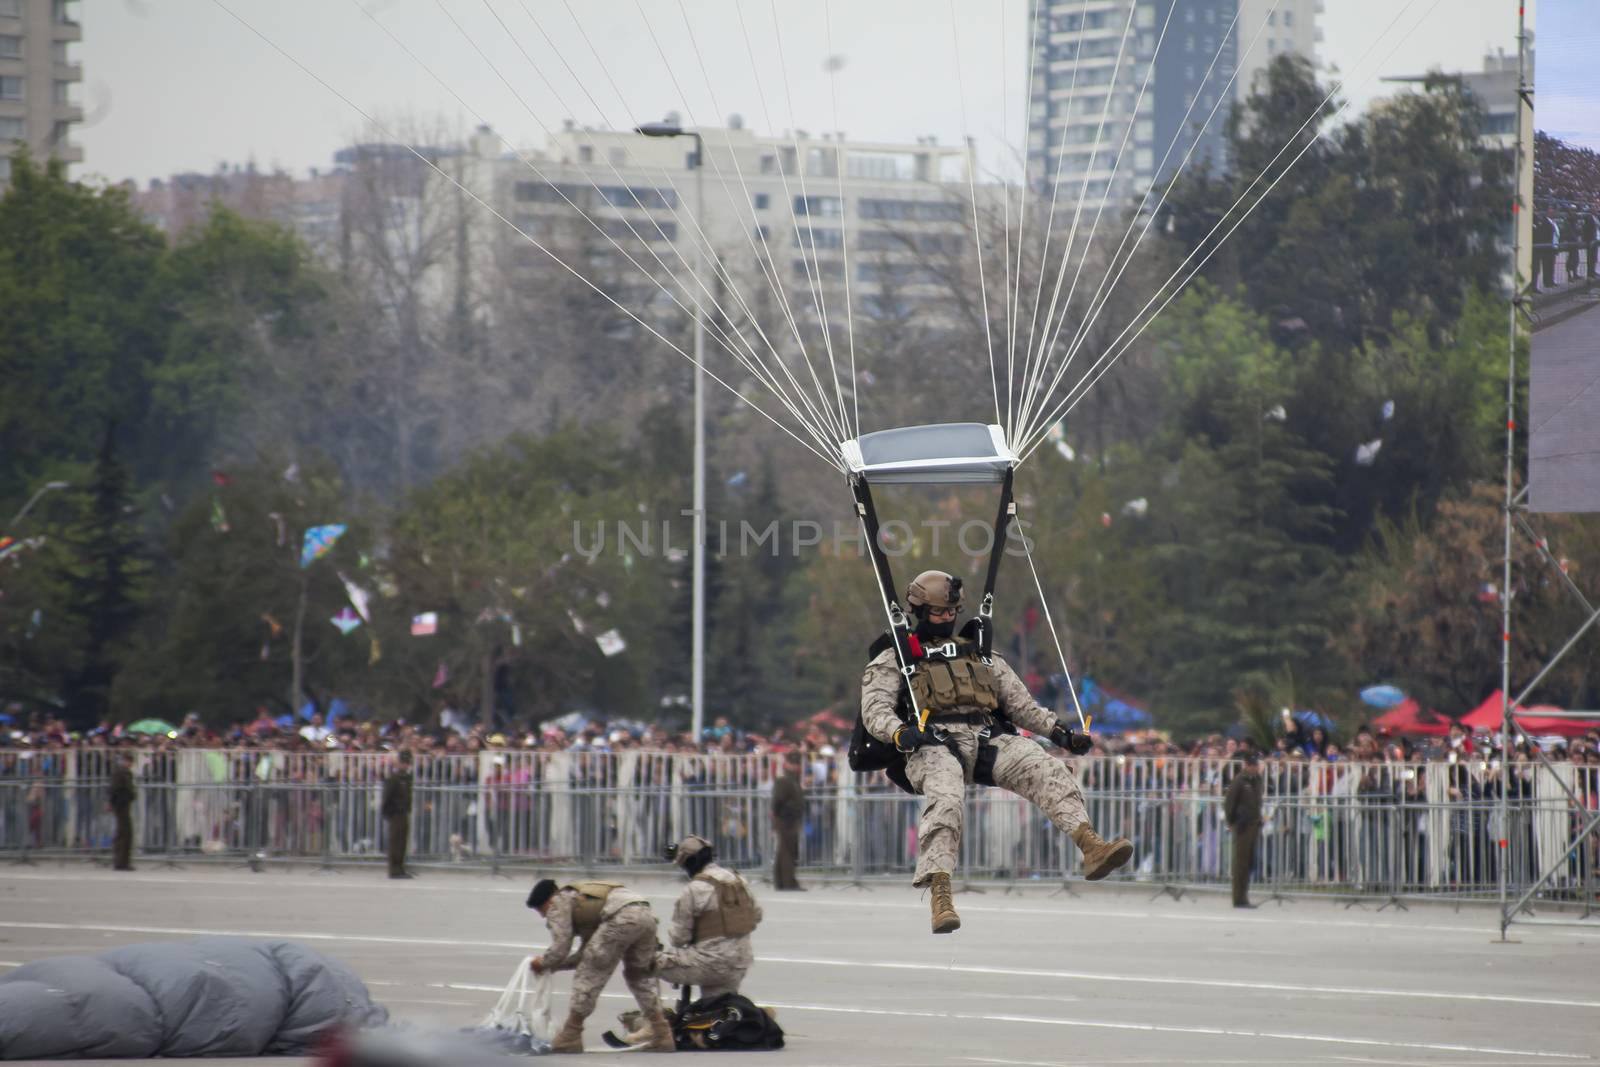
(627, 933)
(1020, 766)
(716, 964)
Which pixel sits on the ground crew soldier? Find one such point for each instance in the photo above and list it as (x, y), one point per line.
(711, 924)
(788, 817)
(615, 924)
(122, 795)
(959, 741)
(397, 813)
(1241, 807)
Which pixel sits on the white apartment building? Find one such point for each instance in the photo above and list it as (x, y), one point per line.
(801, 203)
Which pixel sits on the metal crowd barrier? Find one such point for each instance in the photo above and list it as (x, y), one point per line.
(1366, 830)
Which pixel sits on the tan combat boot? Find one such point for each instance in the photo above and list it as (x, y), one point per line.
(661, 1039)
(570, 1037)
(945, 919)
(1100, 857)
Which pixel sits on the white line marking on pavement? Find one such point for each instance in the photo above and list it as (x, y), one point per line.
(295, 935)
(1149, 1028)
(1084, 976)
(1204, 983)
(452, 882)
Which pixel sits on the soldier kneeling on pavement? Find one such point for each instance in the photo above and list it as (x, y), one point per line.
(711, 924)
(710, 933)
(616, 925)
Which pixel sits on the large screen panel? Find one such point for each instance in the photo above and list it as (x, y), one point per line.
(1564, 408)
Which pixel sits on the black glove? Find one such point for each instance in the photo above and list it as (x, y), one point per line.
(910, 737)
(1077, 744)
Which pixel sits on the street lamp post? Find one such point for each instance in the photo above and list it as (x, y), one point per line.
(34, 499)
(697, 651)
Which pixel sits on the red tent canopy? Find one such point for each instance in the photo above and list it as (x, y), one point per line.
(830, 718)
(1486, 717)
(1409, 717)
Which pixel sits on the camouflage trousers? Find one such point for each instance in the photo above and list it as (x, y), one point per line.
(628, 937)
(717, 966)
(1020, 766)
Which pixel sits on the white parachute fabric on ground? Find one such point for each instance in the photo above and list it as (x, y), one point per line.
(213, 996)
(524, 1008)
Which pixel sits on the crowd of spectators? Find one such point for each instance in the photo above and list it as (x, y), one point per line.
(823, 736)
(1566, 211)
(1564, 173)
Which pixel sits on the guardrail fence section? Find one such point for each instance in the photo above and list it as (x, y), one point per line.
(1371, 829)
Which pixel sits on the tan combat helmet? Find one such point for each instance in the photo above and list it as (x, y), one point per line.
(687, 849)
(934, 589)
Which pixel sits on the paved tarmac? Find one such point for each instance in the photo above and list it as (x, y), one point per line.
(1031, 979)
(1564, 414)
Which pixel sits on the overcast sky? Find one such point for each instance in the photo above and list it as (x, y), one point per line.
(179, 85)
(1568, 95)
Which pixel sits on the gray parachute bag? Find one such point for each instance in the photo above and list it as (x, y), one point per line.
(212, 996)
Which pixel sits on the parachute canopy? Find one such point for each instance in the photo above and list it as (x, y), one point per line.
(950, 453)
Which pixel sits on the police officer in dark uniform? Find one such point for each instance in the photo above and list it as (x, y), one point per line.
(788, 816)
(1242, 808)
(123, 793)
(397, 813)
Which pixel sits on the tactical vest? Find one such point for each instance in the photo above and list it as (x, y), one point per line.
(591, 901)
(950, 687)
(736, 910)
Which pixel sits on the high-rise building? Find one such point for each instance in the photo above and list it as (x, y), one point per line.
(1091, 59)
(37, 76)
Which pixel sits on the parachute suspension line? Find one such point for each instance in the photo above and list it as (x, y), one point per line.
(1083, 194)
(765, 374)
(761, 93)
(1108, 283)
(1080, 389)
(763, 252)
(1044, 603)
(1039, 13)
(832, 461)
(972, 195)
(844, 231)
(1005, 259)
(818, 293)
(471, 110)
(721, 334)
(1050, 219)
(1065, 306)
(840, 432)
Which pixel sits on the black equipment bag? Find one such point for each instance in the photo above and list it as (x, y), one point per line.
(729, 1023)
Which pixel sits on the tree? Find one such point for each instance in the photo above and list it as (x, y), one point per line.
(1427, 602)
(1238, 532)
(83, 321)
(106, 583)
(221, 637)
(1398, 211)
(249, 366)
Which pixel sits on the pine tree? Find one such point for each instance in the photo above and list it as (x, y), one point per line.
(105, 580)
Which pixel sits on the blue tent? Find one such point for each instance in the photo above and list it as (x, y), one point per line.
(1313, 719)
(1111, 714)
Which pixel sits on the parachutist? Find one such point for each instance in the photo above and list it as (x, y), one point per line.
(951, 720)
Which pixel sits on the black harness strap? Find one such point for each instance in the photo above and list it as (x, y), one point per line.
(900, 627)
(1002, 526)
